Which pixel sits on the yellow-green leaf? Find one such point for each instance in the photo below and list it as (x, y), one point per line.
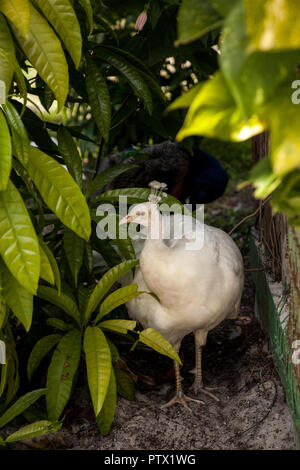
(18, 12)
(18, 241)
(60, 192)
(16, 296)
(46, 269)
(61, 15)
(116, 298)
(158, 342)
(107, 413)
(5, 153)
(86, 5)
(7, 52)
(43, 49)
(121, 326)
(98, 364)
(39, 428)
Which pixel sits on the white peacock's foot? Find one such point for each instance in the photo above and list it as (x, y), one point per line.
(182, 400)
(199, 387)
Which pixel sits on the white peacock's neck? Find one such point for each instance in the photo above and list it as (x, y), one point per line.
(155, 229)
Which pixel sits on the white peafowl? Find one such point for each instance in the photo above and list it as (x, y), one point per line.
(197, 277)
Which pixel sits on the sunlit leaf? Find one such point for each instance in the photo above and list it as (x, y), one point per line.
(158, 342)
(20, 140)
(5, 153)
(18, 12)
(98, 364)
(116, 298)
(120, 326)
(196, 19)
(7, 53)
(39, 428)
(21, 405)
(107, 413)
(61, 15)
(43, 49)
(18, 241)
(60, 192)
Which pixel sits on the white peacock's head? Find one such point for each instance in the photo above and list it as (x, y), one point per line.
(139, 214)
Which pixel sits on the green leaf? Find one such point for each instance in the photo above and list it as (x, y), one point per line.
(120, 326)
(22, 303)
(113, 351)
(269, 30)
(107, 413)
(186, 99)
(158, 342)
(99, 98)
(105, 177)
(214, 113)
(253, 77)
(70, 154)
(74, 248)
(18, 12)
(7, 53)
(20, 138)
(18, 241)
(53, 263)
(196, 19)
(39, 351)
(60, 192)
(86, 5)
(61, 15)
(263, 178)
(63, 365)
(106, 282)
(125, 384)
(5, 153)
(118, 297)
(46, 271)
(21, 405)
(131, 73)
(39, 428)
(43, 49)
(63, 301)
(222, 7)
(59, 324)
(98, 363)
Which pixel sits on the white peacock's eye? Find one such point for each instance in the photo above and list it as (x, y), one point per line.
(143, 213)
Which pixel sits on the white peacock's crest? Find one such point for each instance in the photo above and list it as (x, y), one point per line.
(157, 193)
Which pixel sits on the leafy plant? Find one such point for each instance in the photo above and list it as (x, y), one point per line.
(252, 90)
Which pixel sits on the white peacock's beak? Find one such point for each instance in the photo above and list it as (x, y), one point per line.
(126, 219)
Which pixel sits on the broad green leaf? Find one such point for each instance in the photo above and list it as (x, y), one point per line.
(113, 351)
(125, 384)
(46, 271)
(273, 25)
(22, 303)
(253, 77)
(20, 140)
(60, 192)
(105, 177)
(59, 324)
(21, 405)
(120, 326)
(99, 98)
(7, 53)
(63, 301)
(5, 153)
(158, 342)
(74, 249)
(43, 49)
(53, 263)
(185, 100)
(18, 241)
(98, 364)
(39, 428)
(106, 282)
(86, 5)
(70, 154)
(263, 178)
(131, 73)
(118, 297)
(107, 413)
(214, 113)
(18, 12)
(39, 351)
(196, 19)
(63, 365)
(61, 15)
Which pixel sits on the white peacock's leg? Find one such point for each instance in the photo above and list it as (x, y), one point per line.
(200, 341)
(180, 397)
